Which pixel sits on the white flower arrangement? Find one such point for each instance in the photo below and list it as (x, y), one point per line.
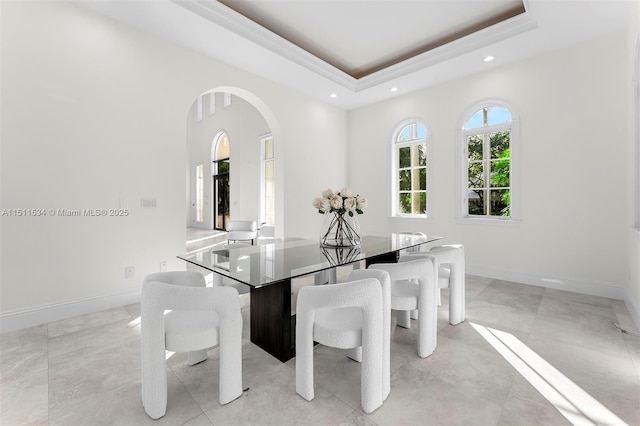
(341, 202)
(339, 232)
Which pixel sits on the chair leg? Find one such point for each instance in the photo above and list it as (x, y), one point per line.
(196, 357)
(404, 319)
(414, 314)
(428, 322)
(456, 298)
(230, 360)
(304, 357)
(153, 363)
(355, 354)
(393, 322)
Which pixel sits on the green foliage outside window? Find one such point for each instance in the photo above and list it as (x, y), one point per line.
(496, 192)
(412, 179)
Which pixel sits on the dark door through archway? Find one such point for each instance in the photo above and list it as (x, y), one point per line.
(221, 195)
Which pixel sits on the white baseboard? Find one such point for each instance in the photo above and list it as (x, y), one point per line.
(593, 288)
(38, 315)
(30, 317)
(633, 310)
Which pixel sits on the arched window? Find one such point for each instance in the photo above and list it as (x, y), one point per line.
(409, 170)
(487, 163)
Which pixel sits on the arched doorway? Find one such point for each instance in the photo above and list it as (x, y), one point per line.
(221, 167)
(249, 126)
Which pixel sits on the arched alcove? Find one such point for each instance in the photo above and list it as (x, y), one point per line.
(245, 119)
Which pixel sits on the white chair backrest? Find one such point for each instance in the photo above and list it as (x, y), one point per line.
(184, 278)
(242, 225)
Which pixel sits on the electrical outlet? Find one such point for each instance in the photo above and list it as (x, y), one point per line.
(128, 272)
(163, 266)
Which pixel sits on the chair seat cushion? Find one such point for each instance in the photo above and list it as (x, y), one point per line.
(444, 274)
(241, 235)
(191, 330)
(404, 295)
(338, 327)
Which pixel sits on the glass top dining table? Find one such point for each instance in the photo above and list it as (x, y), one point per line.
(261, 265)
(268, 270)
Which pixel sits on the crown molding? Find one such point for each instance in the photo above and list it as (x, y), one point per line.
(233, 21)
(482, 38)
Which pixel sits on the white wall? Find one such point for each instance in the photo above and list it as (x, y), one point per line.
(94, 112)
(633, 160)
(573, 110)
(244, 126)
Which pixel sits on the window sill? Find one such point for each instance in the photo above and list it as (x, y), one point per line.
(408, 219)
(487, 221)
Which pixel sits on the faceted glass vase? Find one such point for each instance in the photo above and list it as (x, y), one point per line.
(340, 230)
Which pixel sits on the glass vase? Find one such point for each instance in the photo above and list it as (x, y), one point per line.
(340, 230)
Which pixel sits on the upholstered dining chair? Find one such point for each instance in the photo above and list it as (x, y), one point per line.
(200, 317)
(414, 287)
(451, 275)
(348, 315)
(241, 230)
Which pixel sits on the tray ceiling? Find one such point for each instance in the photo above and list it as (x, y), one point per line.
(363, 37)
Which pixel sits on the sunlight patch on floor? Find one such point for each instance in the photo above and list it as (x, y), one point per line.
(575, 404)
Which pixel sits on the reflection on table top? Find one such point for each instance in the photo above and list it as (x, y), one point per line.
(264, 264)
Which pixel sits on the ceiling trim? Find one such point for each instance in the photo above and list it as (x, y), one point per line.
(228, 18)
(233, 21)
(484, 37)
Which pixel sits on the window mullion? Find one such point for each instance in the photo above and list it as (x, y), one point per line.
(486, 159)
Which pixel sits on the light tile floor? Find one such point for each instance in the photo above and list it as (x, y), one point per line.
(86, 370)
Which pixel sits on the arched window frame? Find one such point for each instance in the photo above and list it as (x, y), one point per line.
(394, 212)
(462, 164)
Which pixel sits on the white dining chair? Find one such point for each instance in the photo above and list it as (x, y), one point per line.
(348, 315)
(413, 287)
(241, 230)
(199, 318)
(451, 275)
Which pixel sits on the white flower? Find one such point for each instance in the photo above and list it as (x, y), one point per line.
(326, 205)
(362, 202)
(322, 204)
(336, 202)
(346, 192)
(350, 204)
(340, 202)
(327, 193)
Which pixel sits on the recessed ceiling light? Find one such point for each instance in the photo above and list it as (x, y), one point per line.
(394, 89)
(488, 58)
(333, 95)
